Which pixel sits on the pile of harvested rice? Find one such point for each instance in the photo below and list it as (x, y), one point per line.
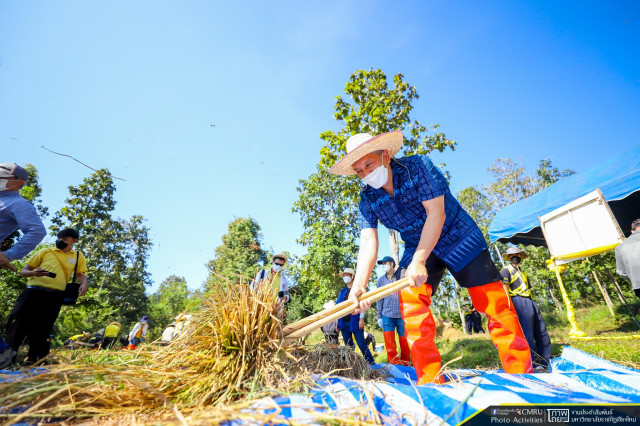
(231, 355)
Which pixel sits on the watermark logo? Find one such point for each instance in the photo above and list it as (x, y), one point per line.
(558, 415)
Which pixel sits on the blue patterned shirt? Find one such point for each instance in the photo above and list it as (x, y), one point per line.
(416, 179)
(390, 305)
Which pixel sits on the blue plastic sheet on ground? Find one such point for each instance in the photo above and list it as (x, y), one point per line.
(576, 377)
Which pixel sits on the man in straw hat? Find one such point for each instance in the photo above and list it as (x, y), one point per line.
(352, 326)
(274, 275)
(516, 282)
(16, 213)
(412, 196)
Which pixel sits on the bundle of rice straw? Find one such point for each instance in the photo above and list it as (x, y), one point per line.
(231, 347)
(230, 355)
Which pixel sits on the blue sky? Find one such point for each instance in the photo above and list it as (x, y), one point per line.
(136, 86)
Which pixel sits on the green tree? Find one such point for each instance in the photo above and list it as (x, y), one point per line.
(171, 299)
(116, 251)
(369, 105)
(240, 254)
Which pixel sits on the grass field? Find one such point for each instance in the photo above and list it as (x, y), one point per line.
(477, 351)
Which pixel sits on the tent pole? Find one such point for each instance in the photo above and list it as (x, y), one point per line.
(571, 315)
(605, 295)
(499, 255)
(619, 291)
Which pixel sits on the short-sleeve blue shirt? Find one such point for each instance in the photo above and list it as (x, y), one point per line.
(416, 179)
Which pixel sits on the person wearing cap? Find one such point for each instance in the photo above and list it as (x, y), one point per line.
(412, 196)
(472, 319)
(137, 333)
(111, 333)
(516, 283)
(274, 276)
(352, 326)
(390, 317)
(628, 257)
(16, 213)
(330, 330)
(37, 307)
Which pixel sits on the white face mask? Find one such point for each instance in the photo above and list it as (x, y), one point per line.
(276, 267)
(386, 268)
(3, 184)
(378, 177)
(346, 279)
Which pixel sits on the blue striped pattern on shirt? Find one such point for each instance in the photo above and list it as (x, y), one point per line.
(390, 305)
(416, 179)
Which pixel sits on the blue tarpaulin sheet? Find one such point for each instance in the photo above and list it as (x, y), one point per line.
(576, 377)
(618, 179)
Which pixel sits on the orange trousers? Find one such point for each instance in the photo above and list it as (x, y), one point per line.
(489, 299)
(392, 352)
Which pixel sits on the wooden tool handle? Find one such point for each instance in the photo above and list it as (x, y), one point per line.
(322, 314)
(307, 325)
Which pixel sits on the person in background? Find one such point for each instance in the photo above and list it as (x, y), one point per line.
(169, 334)
(390, 316)
(38, 306)
(330, 330)
(16, 213)
(628, 257)
(137, 333)
(111, 333)
(472, 318)
(516, 282)
(412, 196)
(275, 276)
(370, 339)
(352, 326)
(78, 338)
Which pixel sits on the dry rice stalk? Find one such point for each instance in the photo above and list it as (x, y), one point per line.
(230, 356)
(336, 360)
(231, 346)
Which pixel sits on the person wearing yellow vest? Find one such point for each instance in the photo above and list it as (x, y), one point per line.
(472, 318)
(137, 333)
(516, 283)
(38, 306)
(275, 277)
(84, 338)
(110, 335)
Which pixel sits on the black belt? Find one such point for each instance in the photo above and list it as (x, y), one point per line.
(46, 289)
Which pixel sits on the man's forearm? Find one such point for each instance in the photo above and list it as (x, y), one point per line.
(366, 263)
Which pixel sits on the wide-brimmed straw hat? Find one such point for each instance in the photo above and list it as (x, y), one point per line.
(281, 256)
(330, 304)
(347, 271)
(115, 323)
(512, 251)
(362, 144)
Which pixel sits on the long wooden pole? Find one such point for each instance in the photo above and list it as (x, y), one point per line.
(313, 322)
(605, 295)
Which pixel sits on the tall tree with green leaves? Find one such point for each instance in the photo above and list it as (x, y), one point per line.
(369, 105)
(116, 249)
(240, 254)
(170, 300)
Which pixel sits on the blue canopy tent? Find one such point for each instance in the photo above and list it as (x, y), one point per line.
(617, 178)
